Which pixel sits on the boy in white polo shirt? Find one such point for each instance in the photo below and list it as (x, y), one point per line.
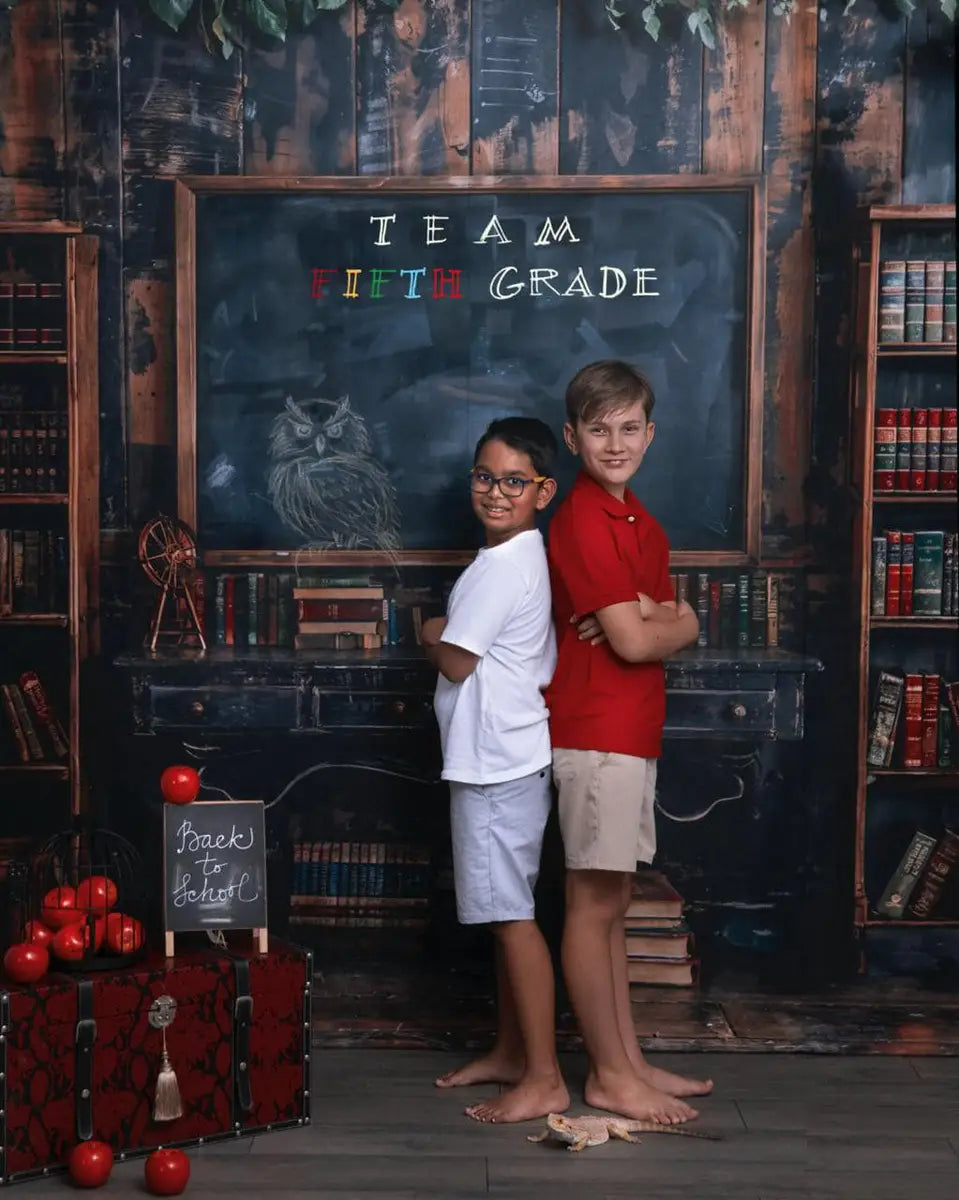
(495, 649)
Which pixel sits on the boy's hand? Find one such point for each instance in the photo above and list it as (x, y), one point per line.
(588, 628)
(432, 631)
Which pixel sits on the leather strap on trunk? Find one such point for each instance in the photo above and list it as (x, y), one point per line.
(242, 1020)
(86, 1036)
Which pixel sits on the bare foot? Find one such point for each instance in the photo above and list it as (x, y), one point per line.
(671, 1084)
(528, 1100)
(490, 1068)
(630, 1096)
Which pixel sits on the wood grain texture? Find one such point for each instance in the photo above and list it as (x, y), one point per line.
(149, 401)
(789, 107)
(734, 94)
(31, 112)
(515, 87)
(299, 114)
(629, 104)
(412, 88)
(92, 195)
(929, 151)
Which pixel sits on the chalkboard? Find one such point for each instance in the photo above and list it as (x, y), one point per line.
(344, 343)
(214, 866)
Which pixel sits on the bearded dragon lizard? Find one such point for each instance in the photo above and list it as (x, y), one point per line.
(580, 1132)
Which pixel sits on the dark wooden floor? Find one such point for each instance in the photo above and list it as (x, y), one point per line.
(794, 1126)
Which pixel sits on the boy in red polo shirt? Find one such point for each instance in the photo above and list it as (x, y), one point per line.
(607, 701)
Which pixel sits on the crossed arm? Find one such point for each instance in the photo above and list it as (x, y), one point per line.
(641, 630)
(453, 662)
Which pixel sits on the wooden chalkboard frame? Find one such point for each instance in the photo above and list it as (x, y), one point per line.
(188, 188)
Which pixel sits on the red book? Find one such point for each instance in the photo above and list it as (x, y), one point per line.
(228, 608)
(930, 719)
(947, 458)
(341, 610)
(917, 458)
(893, 572)
(912, 722)
(903, 449)
(884, 455)
(933, 449)
(907, 573)
(715, 613)
(928, 890)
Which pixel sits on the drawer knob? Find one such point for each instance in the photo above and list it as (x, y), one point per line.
(737, 710)
(197, 708)
(399, 707)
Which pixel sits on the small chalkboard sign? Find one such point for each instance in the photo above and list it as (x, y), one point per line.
(214, 868)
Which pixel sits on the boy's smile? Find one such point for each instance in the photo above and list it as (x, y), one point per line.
(505, 516)
(612, 446)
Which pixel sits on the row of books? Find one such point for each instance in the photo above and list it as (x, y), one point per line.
(914, 573)
(30, 730)
(659, 945)
(915, 450)
(360, 884)
(917, 300)
(917, 886)
(344, 617)
(756, 608)
(914, 722)
(33, 571)
(32, 315)
(33, 452)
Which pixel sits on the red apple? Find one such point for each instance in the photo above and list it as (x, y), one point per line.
(59, 907)
(71, 942)
(26, 962)
(96, 894)
(124, 934)
(180, 785)
(90, 1164)
(36, 931)
(167, 1172)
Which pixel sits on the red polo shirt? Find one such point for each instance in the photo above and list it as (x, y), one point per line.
(603, 551)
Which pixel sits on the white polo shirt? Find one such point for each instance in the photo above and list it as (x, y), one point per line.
(494, 725)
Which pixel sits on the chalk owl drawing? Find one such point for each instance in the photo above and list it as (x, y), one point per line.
(324, 480)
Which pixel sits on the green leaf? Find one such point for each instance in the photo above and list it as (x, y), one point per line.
(269, 16)
(172, 12)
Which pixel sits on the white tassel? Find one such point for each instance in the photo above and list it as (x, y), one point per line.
(167, 1104)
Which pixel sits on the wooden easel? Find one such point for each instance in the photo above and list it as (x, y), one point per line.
(260, 941)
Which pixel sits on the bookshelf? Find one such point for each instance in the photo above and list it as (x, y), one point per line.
(49, 522)
(906, 557)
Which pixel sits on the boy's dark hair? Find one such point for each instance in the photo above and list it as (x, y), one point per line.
(606, 387)
(529, 435)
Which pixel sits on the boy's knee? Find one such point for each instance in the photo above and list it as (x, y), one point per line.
(597, 892)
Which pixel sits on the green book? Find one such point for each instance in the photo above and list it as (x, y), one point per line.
(927, 573)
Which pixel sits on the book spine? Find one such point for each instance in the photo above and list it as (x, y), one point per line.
(893, 573)
(878, 577)
(932, 315)
(917, 458)
(6, 692)
(927, 592)
(912, 723)
(26, 724)
(949, 452)
(742, 596)
(884, 721)
(903, 449)
(945, 750)
(772, 610)
(933, 449)
(930, 887)
(915, 299)
(892, 301)
(930, 719)
(34, 691)
(912, 864)
(948, 574)
(757, 609)
(6, 315)
(907, 573)
(728, 615)
(884, 456)
(949, 303)
(702, 609)
(26, 328)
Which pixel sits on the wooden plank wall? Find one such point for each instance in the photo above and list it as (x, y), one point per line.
(101, 106)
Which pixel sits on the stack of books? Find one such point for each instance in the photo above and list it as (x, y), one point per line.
(915, 450)
(914, 574)
(341, 617)
(659, 944)
(917, 301)
(914, 722)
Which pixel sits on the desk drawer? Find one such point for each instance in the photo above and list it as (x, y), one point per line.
(396, 710)
(720, 713)
(225, 706)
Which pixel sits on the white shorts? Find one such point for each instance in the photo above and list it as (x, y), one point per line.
(607, 809)
(497, 832)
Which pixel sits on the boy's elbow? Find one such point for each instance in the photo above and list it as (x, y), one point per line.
(456, 673)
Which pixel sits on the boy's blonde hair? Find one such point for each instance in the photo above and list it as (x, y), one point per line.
(606, 387)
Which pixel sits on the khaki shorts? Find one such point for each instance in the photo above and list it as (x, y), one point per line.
(606, 809)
